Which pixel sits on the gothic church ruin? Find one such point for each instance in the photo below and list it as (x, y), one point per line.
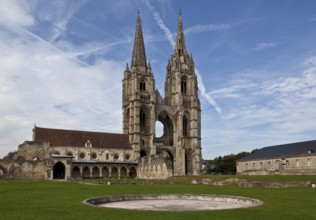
(138, 152)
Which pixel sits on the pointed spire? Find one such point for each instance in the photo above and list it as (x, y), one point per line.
(139, 55)
(180, 44)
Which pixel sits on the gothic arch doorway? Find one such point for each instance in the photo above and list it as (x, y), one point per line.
(167, 134)
(59, 171)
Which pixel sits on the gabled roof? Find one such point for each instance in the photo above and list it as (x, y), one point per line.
(283, 151)
(60, 137)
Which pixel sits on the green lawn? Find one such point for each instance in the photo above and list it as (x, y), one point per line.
(63, 200)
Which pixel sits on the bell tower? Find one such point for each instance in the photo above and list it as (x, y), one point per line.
(139, 99)
(181, 92)
(178, 150)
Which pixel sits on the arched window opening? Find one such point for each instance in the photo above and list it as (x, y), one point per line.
(142, 119)
(185, 126)
(309, 162)
(143, 153)
(277, 165)
(183, 86)
(142, 85)
(297, 163)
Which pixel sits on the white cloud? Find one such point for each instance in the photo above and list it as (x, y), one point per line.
(267, 112)
(15, 13)
(208, 27)
(206, 95)
(263, 46)
(49, 87)
(169, 36)
(161, 25)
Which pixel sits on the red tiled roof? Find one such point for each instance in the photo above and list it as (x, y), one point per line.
(60, 137)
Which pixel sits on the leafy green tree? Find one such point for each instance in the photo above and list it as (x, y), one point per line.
(225, 164)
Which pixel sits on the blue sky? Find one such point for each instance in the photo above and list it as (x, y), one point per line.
(62, 62)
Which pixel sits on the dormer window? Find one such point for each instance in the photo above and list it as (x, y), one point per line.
(88, 144)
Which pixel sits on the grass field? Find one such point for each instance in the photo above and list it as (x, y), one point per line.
(63, 200)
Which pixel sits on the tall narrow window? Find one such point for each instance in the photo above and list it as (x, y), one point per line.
(183, 86)
(142, 85)
(309, 162)
(185, 126)
(142, 118)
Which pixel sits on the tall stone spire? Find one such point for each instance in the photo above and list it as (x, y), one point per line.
(180, 48)
(139, 55)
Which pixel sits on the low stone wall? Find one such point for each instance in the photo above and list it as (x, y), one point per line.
(273, 184)
(246, 202)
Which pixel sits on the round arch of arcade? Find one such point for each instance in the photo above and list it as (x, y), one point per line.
(103, 171)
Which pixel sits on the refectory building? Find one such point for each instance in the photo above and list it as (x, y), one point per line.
(294, 158)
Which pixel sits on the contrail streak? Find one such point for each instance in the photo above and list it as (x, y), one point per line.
(169, 36)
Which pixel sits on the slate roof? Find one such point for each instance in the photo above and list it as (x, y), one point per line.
(283, 151)
(60, 137)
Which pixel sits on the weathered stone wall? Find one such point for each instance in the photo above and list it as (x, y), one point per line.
(283, 166)
(154, 168)
(31, 161)
(95, 154)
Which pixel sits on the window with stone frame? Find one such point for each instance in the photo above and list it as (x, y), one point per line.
(185, 126)
(142, 120)
(309, 162)
(183, 85)
(142, 85)
(297, 163)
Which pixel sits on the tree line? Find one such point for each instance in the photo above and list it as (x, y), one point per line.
(224, 164)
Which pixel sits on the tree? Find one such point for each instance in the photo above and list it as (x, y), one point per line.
(225, 164)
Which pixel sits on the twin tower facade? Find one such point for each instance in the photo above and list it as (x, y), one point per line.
(179, 110)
